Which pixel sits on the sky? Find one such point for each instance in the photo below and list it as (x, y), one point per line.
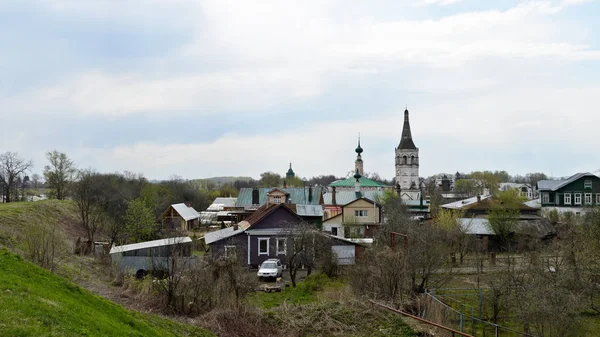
(235, 88)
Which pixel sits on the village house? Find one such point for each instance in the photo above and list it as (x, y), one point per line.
(525, 190)
(358, 219)
(476, 212)
(181, 217)
(264, 235)
(574, 194)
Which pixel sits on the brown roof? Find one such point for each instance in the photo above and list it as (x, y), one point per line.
(264, 210)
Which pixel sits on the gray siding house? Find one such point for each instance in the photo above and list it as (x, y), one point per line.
(263, 235)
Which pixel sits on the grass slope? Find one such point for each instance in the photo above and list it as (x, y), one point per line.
(35, 302)
(16, 219)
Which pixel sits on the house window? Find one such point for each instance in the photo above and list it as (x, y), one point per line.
(281, 246)
(263, 246)
(545, 198)
(567, 198)
(598, 198)
(588, 198)
(334, 230)
(587, 184)
(361, 213)
(577, 198)
(277, 199)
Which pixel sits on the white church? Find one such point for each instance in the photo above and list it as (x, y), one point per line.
(407, 164)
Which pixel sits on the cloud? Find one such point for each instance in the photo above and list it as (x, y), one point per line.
(246, 57)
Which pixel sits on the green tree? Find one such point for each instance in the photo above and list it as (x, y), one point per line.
(504, 215)
(270, 179)
(59, 173)
(294, 182)
(457, 236)
(467, 187)
(139, 221)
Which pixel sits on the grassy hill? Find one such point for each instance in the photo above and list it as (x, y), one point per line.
(35, 302)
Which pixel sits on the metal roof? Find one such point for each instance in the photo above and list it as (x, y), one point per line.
(465, 202)
(553, 185)
(187, 213)
(221, 203)
(364, 182)
(309, 210)
(347, 196)
(225, 233)
(150, 244)
(476, 226)
(297, 195)
(505, 186)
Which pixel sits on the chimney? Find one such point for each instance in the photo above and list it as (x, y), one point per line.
(188, 204)
(333, 200)
(310, 194)
(235, 227)
(284, 184)
(478, 197)
(255, 196)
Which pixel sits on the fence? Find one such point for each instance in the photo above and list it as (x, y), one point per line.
(465, 317)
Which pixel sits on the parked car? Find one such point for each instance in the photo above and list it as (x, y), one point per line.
(271, 268)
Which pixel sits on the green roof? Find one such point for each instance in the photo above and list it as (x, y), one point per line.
(364, 182)
(298, 195)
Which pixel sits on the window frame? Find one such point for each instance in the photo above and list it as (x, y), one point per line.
(545, 198)
(279, 252)
(567, 199)
(577, 196)
(261, 240)
(361, 213)
(586, 200)
(277, 199)
(598, 198)
(587, 183)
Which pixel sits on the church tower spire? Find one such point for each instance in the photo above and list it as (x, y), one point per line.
(407, 159)
(358, 163)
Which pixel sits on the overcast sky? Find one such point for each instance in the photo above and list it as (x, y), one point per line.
(214, 88)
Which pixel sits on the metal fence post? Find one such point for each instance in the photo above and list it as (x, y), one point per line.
(473, 321)
(496, 331)
(480, 303)
(461, 322)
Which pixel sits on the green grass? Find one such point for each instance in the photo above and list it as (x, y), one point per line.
(16, 216)
(304, 292)
(35, 302)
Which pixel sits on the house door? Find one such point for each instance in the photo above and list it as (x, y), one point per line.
(334, 231)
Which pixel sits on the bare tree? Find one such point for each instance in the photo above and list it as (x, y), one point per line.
(301, 242)
(86, 193)
(11, 167)
(59, 173)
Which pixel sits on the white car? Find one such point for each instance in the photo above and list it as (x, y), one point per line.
(271, 268)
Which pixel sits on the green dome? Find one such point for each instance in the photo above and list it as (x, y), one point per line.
(357, 175)
(359, 149)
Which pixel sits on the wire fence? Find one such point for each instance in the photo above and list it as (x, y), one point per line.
(464, 317)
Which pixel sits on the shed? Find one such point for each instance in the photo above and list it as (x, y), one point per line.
(180, 217)
(150, 255)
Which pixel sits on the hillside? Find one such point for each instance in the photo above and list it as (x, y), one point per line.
(35, 302)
